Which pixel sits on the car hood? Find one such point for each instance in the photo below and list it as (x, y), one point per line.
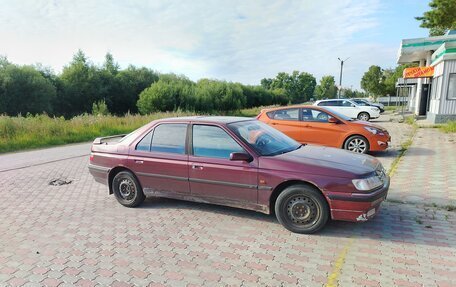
(367, 124)
(326, 161)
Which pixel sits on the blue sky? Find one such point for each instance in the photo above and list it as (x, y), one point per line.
(242, 41)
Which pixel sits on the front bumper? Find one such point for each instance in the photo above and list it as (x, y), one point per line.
(357, 206)
(380, 143)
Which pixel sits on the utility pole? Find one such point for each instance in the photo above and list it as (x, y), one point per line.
(340, 78)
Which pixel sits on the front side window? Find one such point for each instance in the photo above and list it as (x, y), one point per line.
(287, 115)
(212, 141)
(311, 115)
(329, 103)
(346, 104)
(169, 138)
(452, 87)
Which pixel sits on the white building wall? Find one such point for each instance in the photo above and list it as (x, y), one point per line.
(447, 107)
(434, 104)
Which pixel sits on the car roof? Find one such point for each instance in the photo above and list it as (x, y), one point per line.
(207, 119)
(290, 107)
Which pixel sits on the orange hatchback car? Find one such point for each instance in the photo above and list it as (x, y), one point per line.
(322, 126)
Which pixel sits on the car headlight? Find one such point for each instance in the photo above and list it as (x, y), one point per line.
(375, 109)
(374, 131)
(369, 183)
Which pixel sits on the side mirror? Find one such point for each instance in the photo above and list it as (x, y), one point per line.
(353, 105)
(333, 120)
(240, 156)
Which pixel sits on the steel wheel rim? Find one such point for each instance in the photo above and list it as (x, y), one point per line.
(364, 117)
(357, 145)
(302, 210)
(127, 189)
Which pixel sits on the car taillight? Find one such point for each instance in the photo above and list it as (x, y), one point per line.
(91, 157)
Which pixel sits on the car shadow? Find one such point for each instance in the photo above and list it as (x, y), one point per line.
(394, 152)
(389, 153)
(396, 222)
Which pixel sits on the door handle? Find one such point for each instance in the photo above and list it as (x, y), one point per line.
(274, 124)
(198, 167)
(139, 161)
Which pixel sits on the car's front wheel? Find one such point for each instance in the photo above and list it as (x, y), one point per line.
(127, 190)
(357, 144)
(302, 209)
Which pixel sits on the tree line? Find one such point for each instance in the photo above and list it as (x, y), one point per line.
(377, 81)
(83, 87)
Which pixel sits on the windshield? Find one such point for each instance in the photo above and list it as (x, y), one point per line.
(337, 114)
(264, 139)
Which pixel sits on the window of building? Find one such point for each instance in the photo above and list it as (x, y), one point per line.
(452, 87)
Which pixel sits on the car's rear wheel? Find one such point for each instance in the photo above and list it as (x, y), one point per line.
(357, 144)
(302, 209)
(363, 116)
(127, 190)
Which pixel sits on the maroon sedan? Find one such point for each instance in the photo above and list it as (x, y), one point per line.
(240, 162)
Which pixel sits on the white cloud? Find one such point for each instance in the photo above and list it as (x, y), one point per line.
(234, 40)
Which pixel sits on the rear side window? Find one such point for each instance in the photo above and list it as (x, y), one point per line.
(212, 141)
(144, 144)
(286, 115)
(169, 138)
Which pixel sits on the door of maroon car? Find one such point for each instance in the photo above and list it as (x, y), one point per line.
(160, 161)
(213, 174)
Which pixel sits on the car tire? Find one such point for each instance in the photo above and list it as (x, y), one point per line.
(357, 144)
(363, 116)
(127, 189)
(302, 209)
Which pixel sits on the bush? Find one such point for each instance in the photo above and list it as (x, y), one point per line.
(100, 108)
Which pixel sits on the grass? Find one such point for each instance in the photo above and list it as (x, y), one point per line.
(404, 147)
(410, 120)
(20, 133)
(449, 127)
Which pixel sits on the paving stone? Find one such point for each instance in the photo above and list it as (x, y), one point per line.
(59, 236)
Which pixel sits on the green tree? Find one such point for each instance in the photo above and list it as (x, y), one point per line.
(23, 89)
(299, 87)
(129, 83)
(80, 87)
(373, 81)
(441, 17)
(169, 93)
(391, 76)
(327, 88)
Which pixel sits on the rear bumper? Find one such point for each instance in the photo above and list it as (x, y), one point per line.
(357, 206)
(99, 173)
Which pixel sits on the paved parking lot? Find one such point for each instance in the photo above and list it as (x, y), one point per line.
(77, 234)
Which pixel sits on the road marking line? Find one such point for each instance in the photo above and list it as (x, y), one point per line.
(43, 163)
(333, 278)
